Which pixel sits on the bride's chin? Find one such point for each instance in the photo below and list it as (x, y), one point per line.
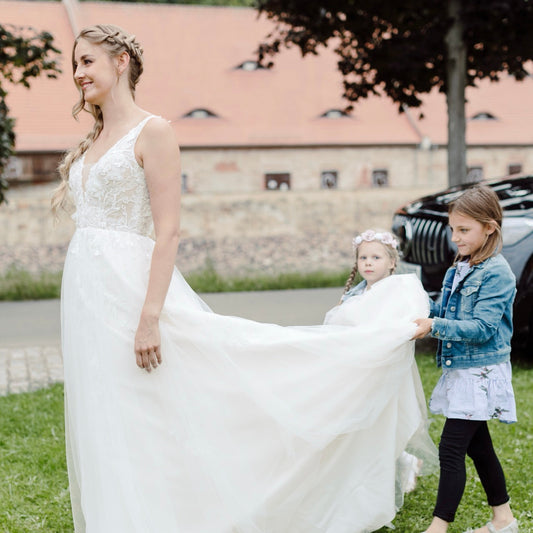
(92, 99)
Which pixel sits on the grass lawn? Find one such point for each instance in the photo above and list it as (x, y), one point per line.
(34, 488)
(17, 284)
(514, 445)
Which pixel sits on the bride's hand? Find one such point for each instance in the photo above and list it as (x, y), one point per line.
(148, 343)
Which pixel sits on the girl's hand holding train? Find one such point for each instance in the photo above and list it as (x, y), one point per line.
(423, 328)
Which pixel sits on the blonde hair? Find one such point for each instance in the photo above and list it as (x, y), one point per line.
(115, 40)
(374, 236)
(481, 203)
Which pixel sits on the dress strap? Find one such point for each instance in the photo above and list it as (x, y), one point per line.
(135, 132)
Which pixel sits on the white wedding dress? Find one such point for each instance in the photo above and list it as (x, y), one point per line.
(245, 427)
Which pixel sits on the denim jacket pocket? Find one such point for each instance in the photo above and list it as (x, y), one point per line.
(469, 293)
(470, 288)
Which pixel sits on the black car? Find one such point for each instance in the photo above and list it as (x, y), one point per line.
(425, 240)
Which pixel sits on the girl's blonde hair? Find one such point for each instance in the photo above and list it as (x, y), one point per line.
(390, 244)
(115, 40)
(481, 203)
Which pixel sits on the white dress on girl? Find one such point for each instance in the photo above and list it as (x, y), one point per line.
(477, 393)
(245, 427)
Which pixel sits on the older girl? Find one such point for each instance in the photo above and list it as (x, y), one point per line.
(473, 323)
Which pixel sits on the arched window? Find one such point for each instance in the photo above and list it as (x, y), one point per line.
(483, 115)
(250, 65)
(200, 112)
(334, 113)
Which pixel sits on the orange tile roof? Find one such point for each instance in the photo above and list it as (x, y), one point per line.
(190, 55)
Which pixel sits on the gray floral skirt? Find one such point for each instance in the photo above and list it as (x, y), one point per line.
(479, 393)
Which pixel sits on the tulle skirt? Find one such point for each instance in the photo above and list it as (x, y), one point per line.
(245, 427)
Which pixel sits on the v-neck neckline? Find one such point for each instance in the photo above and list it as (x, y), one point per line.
(90, 166)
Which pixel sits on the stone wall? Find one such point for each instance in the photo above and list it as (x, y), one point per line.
(266, 231)
(233, 170)
(243, 170)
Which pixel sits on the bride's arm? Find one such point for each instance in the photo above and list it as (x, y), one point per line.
(158, 149)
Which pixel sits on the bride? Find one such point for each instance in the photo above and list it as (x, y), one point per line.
(182, 420)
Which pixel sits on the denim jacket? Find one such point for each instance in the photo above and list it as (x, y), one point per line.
(354, 291)
(474, 323)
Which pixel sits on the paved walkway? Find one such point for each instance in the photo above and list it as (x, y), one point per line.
(30, 368)
(30, 355)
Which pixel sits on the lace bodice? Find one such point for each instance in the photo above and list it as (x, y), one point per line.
(112, 193)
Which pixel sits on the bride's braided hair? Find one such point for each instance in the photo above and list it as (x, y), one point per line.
(115, 40)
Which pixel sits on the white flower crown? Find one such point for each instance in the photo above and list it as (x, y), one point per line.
(370, 235)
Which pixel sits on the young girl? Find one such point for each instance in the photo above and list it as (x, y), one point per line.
(376, 258)
(472, 321)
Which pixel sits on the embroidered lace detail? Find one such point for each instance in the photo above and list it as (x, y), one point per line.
(114, 194)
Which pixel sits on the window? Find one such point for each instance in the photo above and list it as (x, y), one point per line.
(380, 177)
(515, 168)
(474, 174)
(13, 169)
(328, 179)
(200, 112)
(334, 113)
(184, 183)
(250, 65)
(483, 115)
(278, 182)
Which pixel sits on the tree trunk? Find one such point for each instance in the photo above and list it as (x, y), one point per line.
(455, 96)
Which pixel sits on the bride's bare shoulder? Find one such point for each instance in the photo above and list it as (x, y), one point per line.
(157, 136)
(157, 127)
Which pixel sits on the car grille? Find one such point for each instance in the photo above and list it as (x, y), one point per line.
(423, 241)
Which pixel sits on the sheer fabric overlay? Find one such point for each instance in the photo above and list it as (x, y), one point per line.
(245, 427)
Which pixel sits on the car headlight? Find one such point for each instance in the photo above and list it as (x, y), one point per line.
(515, 229)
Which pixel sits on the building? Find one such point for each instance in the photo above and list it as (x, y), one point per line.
(246, 129)
(247, 134)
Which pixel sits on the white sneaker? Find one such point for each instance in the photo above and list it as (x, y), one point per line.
(511, 528)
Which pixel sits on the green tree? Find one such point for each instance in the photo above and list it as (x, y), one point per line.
(405, 49)
(24, 53)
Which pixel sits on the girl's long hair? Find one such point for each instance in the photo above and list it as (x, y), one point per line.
(115, 40)
(481, 203)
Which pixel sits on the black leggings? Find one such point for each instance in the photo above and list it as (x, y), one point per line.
(472, 437)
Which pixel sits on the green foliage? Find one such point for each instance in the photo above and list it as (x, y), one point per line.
(33, 484)
(24, 54)
(405, 49)
(19, 284)
(209, 280)
(399, 48)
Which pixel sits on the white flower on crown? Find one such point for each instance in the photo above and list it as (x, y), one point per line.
(384, 237)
